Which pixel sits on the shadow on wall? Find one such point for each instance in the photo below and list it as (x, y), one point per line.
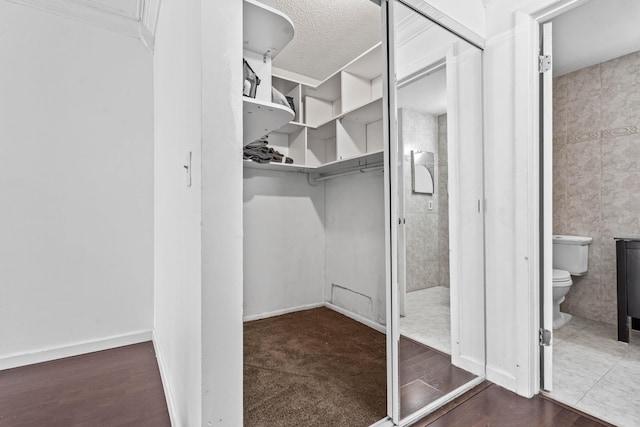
(596, 168)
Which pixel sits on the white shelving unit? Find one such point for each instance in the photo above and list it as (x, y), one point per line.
(360, 161)
(337, 123)
(266, 31)
(260, 118)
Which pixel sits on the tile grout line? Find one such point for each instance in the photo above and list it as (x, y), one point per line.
(598, 381)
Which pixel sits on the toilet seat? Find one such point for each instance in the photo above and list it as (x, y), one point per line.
(561, 278)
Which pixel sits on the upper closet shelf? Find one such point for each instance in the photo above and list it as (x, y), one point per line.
(261, 118)
(362, 161)
(266, 30)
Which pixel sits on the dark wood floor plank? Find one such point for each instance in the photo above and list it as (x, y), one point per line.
(117, 387)
(414, 395)
(418, 362)
(452, 405)
(495, 406)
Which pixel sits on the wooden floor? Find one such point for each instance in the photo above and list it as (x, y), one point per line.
(117, 387)
(425, 375)
(491, 405)
(122, 387)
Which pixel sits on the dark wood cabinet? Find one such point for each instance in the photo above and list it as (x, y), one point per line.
(628, 271)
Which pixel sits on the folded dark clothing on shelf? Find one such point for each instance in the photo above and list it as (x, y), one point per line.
(260, 152)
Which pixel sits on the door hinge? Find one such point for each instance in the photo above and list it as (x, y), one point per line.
(544, 63)
(544, 336)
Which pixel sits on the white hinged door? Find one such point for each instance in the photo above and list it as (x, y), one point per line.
(546, 140)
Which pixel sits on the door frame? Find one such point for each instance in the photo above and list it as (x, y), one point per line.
(528, 305)
(389, 125)
(391, 197)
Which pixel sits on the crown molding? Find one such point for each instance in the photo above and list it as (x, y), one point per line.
(410, 27)
(140, 25)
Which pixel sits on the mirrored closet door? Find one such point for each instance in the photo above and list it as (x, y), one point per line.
(437, 203)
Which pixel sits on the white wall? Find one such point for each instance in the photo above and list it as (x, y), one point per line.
(178, 98)
(76, 179)
(198, 265)
(221, 213)
(355, 244)
(284, 244)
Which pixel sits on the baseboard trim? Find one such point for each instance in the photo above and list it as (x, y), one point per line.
(166, 384)
(385, 422)
(370, 323)
(54, 353)
(471, 365)
(502, 378)
(281, 312)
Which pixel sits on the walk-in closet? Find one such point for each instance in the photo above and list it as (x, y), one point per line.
(314, 236)
(363, 213)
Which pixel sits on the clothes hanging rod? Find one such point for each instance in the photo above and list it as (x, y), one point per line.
(359, 169)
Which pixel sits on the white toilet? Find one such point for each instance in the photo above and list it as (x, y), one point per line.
(570, 258)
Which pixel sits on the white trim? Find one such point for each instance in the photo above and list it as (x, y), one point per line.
(281, 312)
(527, 203)
(385, 422)
(502, 378)
(470, 364)
(149, 14)
(76, 349)
(390, 137)
(370, 323)
(527, 91)
(166, 384)
(141, 25)
(545, 193)
(554, 9)
(447, 22)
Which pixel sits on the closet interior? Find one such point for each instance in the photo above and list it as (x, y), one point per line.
(314, 227)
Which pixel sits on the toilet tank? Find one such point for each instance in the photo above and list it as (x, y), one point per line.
(571, 253)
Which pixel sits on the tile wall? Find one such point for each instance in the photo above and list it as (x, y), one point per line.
(426, 230)
(443, 202)
(596, 173)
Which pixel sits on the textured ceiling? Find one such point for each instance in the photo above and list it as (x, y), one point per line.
(328, 34)
(598, 31)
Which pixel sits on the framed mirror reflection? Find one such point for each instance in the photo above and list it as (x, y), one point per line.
(437, 148)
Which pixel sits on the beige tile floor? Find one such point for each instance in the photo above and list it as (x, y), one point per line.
(592, 370)
(428, 318)
(595, 373)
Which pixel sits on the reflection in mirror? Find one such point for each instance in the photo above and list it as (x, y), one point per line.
(440, 236)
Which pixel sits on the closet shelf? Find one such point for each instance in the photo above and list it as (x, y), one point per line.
(280, 167)
(368, 159)
(291, 127)
(261, 118)
(265, 30)
(365, 113)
